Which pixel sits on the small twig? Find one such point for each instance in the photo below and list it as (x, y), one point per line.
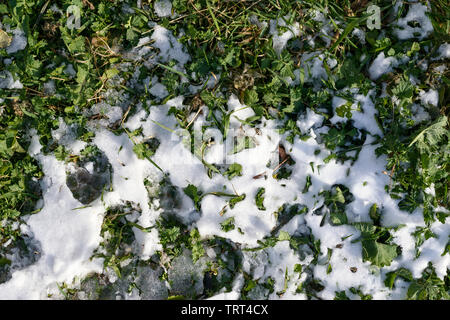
(125, 116)
(44, 8)
(195, 117)
(259, 175)
(278, 166)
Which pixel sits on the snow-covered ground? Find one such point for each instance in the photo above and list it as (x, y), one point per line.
(69, 232)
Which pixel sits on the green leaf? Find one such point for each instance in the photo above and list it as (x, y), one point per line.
(374, 214)
(251, 97)
(234, 170)
(431, 135)
(338, 217)
(132, 35)
(284, 236)
(428, 287)
(307, 184)
(227, 225)
(287, 70)
(392, 276)
(377, 253)
(353, 23)
(110, 73)
(235, 200)
(404, 90)
(169, 236)
(197, 248)
(446, 249)
(192, 192)
(4, 261)
(259, 199)
(339, 196)
(144, 150)
(345, 110)
(76, 45)
(340, 295)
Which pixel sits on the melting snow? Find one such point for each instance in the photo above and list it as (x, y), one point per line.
(80, 228)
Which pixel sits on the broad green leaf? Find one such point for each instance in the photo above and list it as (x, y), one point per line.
(392, 276)
(377, 253)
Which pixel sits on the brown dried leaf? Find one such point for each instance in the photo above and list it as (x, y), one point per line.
(5, 39)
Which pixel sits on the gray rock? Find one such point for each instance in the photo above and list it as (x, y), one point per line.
(185, 276)
(87, 186)
(149, 283)
(21, 253)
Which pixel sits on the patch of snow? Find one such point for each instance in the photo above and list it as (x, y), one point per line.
(363, 112)
(309, 120)
(49, 87)
(253, 19)
(163, 8)
(326, 28)
(169, 47)
(382, 65)
(69, 70)
(360, 34)
(7, 81)
(313, 70)
(443, 52)
(416, 14)
(67, 237)
(158, 89)
(19, 41)
(431, 97)
(279, 41)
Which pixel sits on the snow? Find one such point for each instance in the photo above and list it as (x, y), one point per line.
(158, 90)
(63, 217)
(7, 81)
(311, 65)
(363, 118)
(440, 69)
(419, 114)
(129, 173)
(279, 41)
(381, 65)
(416, 13)
(163, 8)
(341, 276)
(19, 41)
(169, 47)
(309, 120)
(431, 250)
(108, 114)
(360, 34)
(239, 111)
(69, 70)
(326, 26)
(443, 51)
(79, 230)
(65, 135)
(431, 97)
(55, 8)
(253, 19)
(49, 87)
